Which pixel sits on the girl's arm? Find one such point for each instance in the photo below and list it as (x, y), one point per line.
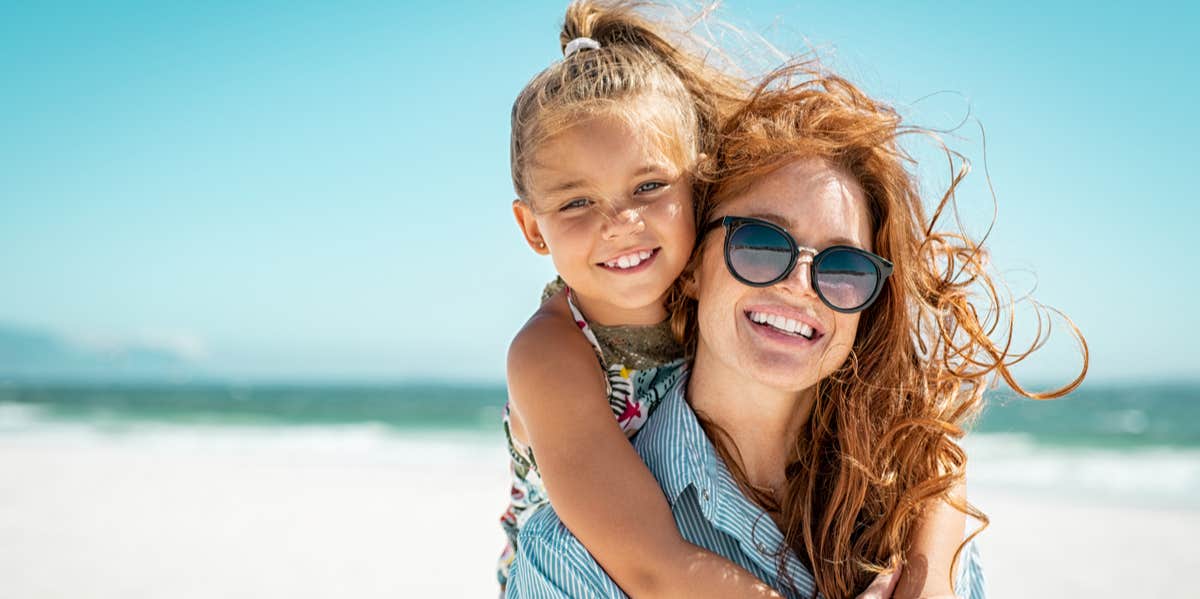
(931, 546)
(598, 484)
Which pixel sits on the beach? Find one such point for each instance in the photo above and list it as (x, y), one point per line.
(364, 511)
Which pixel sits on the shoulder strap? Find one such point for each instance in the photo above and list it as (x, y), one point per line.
(584, 327)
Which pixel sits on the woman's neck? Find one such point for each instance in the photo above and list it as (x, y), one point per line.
(762, 422)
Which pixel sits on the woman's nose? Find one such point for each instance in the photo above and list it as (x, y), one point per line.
(624, 222)
(799, 281)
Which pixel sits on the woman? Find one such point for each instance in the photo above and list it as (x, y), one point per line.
(838, 350)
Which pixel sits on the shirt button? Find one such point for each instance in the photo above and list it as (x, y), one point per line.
(704, 494)
(761, 548)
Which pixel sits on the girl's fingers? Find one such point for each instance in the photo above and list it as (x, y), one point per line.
(882, 586)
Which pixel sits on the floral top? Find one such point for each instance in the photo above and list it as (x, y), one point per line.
(642, 364)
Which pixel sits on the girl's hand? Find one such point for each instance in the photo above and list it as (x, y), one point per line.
(882, 586)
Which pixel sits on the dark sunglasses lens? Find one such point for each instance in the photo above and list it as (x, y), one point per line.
(759, 254)
(846, 279)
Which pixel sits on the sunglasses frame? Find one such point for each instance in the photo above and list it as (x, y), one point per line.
(733, 223)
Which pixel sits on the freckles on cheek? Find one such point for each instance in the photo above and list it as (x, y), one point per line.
(721, 301)
(845, 328)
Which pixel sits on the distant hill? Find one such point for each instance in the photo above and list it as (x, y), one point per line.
(29, 354)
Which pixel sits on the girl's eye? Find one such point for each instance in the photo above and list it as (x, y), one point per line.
(650, 186)
(579, 203)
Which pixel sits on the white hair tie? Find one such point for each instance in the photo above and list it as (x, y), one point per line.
(580, 43)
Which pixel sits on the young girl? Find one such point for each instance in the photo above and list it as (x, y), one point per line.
(603, 144)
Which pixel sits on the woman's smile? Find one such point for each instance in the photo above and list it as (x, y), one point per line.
(782, 335)
(784, 324)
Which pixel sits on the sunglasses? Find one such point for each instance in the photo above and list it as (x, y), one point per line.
(760, 253)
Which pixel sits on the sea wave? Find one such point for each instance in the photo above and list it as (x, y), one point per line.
(1028, 462)
(1158, 476)
(370, 441)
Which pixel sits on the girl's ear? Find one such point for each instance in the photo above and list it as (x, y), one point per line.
(529, 227)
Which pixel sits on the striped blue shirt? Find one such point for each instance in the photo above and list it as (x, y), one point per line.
(709, 509)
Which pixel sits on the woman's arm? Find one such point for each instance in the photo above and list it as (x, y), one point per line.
(931, 546)
(597, 483)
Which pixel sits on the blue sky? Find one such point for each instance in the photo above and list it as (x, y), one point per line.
(304, 190)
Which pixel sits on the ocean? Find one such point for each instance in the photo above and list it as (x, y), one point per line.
(1128, 444)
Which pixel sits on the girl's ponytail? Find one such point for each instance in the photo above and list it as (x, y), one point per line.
(634, 60)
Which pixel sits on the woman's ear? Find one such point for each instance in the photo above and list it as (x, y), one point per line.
(529, 227)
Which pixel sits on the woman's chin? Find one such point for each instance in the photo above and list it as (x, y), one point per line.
(775, 369)
(775, 361)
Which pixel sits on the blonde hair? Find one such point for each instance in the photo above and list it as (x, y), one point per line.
(636, 75)
(879, 445)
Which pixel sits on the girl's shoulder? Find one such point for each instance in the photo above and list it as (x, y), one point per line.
(550, 335)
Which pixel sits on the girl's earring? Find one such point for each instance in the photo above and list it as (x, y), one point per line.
(541, 244)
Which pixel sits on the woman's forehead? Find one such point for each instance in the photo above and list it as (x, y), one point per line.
(815, 201)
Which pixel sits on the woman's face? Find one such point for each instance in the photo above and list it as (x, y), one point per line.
(819, 206)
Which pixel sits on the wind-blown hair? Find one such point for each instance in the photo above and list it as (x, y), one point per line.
(636, 74)
(880, 445)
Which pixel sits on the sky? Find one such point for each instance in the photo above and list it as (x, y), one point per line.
(321, 191)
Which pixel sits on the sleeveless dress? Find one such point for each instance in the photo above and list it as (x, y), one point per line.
(641, 364)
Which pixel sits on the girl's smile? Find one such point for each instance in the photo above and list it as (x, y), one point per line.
(632, 261)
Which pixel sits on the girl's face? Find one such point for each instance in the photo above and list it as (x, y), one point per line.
(819, 206)
(614, 214)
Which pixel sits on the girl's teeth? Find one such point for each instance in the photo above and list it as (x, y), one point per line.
(628, 261)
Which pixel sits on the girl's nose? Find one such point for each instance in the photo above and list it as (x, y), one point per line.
(624, 222)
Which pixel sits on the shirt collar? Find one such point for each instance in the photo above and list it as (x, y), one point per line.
(736, 515)
(674, 446)
(679, 453)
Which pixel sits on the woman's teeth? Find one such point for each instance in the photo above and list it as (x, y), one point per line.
(786, 325)
(629, 260)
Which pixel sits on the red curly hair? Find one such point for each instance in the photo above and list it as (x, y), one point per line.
(880, 444)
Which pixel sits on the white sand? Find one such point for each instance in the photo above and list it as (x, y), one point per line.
(131, 519)
(1058, 548)
(216, 515)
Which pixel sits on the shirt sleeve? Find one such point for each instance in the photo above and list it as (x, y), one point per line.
(552, 564)
(970, 583)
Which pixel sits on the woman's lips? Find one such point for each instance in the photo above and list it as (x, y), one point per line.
(780, 329)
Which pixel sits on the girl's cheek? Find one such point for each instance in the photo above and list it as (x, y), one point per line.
(578, 229)
(671, 210)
